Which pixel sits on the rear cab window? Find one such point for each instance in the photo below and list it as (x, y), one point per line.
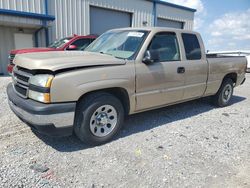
(191, 46)
(166, 44)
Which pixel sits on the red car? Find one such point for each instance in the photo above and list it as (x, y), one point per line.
(68, 43)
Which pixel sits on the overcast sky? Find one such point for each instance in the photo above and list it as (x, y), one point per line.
(223, 24)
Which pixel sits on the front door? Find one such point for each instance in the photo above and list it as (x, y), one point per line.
(160, 83)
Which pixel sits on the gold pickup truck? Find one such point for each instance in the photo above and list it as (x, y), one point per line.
(124, 71)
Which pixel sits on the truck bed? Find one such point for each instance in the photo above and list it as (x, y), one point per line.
(222, 56)
(220, 65)
(231, 55)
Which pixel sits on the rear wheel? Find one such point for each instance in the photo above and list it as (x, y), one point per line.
(99, 118)
(224, 95)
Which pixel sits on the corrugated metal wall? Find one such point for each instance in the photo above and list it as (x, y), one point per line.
(35, 6)
(175, 14)
(19, 21)
(9, 25)
(72, 16)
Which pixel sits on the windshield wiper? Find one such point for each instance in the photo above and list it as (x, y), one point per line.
(105, 53)
(111, 55)
(119, 57)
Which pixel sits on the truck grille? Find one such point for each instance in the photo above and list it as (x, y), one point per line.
(11, 58)
(21, 81)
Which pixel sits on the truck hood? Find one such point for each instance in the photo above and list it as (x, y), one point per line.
(30, 50)
(64, 59)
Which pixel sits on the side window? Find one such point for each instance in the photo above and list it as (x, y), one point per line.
(192, 46)
(81, 44)
(166, 45)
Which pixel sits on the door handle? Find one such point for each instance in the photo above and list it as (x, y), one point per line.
(180, 70)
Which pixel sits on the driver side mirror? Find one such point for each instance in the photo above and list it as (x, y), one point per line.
(151, 56)
(72, 47)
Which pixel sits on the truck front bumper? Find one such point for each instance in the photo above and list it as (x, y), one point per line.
(50, 119)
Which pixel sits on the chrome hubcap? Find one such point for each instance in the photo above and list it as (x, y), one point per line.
(227, 93)
(103, 120)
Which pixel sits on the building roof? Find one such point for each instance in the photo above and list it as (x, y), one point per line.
(27, 14)
(172, 5)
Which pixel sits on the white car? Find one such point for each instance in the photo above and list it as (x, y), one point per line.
(248, 63)
(245, 53)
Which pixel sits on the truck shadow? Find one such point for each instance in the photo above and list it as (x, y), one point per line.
(141, 122)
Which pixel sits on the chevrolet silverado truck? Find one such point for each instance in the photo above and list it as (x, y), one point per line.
(76, 42)
(124, 71)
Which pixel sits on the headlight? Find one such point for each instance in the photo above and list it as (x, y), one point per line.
(39, 87)
(42, 80)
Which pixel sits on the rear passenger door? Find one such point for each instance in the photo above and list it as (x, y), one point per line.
(196, 67)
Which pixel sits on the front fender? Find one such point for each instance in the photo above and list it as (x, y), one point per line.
(70, 86)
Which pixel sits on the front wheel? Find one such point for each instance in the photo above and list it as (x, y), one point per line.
(99, 117)
(225, 93)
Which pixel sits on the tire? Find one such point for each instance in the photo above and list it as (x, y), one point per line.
(223, 96)
(99, 117)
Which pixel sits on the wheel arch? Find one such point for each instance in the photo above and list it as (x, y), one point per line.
(118, 92)
(232, 76)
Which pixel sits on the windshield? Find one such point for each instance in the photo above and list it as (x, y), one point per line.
(120, 44)
(60, 43)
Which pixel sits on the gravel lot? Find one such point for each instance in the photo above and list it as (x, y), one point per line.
(187, 145)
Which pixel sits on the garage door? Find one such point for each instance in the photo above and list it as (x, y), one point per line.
(102, 20)
(169, 23)
(23, 40)
(11, 39)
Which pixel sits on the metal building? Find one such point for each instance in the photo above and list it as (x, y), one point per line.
(23, 24)
(28, 23)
